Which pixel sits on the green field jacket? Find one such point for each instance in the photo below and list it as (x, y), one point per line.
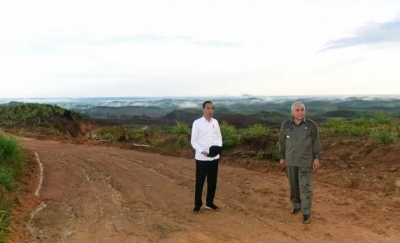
(299, 144)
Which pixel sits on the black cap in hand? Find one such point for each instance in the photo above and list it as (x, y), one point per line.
(214, 151)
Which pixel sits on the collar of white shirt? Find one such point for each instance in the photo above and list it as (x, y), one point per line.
(205, 120)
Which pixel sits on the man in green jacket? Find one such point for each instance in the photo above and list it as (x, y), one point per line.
(300, 151)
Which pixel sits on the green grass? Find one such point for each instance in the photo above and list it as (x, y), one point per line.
(10, 150)
(381, 127)
(5, 220)
(254, 131)
(11, 171)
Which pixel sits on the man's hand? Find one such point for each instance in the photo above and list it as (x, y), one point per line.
(205, 153)
(316, 164)
(282, 162)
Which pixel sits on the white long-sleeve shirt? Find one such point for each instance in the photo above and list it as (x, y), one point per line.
(204, 135)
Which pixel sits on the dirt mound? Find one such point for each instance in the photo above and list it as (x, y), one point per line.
(348, 163)
(361, 164)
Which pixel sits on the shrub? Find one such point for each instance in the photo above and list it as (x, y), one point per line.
(254, 131)
(382, 118)
(362, 122)
(10, 149)
(181, 129)
(116, 133)
(335, 123)
(181, 142)
(383, 136)
(230, 137)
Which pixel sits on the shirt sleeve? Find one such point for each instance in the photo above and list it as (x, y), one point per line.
(194, 137)
(219, 135)
(282, 143)
(317, 151)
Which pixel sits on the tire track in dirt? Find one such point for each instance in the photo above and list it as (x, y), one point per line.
(42, 205)
(347, 215)
(99, 194)
(164, 173)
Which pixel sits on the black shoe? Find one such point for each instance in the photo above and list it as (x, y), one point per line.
(212, 206)
(306, 219)
(196, 209)
(295, 210)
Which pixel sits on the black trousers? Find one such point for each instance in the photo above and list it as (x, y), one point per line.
(205, 169)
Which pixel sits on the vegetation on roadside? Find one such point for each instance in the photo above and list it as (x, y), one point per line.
(45, 119)
(380, 127)
(12, 169)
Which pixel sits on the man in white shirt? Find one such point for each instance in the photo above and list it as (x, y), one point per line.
(206, 134)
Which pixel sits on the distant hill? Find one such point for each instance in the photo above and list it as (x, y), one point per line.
(240, 120)
(194, 113)
(187, 114)
(125, 112)
(240, 111)
(272, 117)
(222, 115)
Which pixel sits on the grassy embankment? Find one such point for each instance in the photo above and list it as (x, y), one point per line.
(12, 170)
(42, 119)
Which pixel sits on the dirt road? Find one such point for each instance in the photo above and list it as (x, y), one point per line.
(99, 194)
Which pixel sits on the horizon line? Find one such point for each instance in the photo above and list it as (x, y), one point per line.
(201, 96)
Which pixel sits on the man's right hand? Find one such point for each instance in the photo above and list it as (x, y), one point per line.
(205, 153)
(282, 162)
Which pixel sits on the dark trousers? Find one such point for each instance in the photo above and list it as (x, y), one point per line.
(300, 181)
(205, 169)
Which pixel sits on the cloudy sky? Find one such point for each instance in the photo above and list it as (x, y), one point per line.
(119, 48)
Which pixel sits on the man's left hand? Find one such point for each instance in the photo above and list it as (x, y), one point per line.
(316, 164)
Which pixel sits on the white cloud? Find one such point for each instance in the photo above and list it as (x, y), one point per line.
(111, 48)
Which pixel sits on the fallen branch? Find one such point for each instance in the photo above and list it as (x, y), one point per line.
(246, 153)
(141, 145)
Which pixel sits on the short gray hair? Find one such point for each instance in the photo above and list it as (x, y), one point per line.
(297, 103)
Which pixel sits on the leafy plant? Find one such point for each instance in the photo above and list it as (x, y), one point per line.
(383, 136)
(181, 129)
(6, 177)
(5, 220)
(230, 136)
(382, 118)
(10, 149)
(181, 142)
(254, 131)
